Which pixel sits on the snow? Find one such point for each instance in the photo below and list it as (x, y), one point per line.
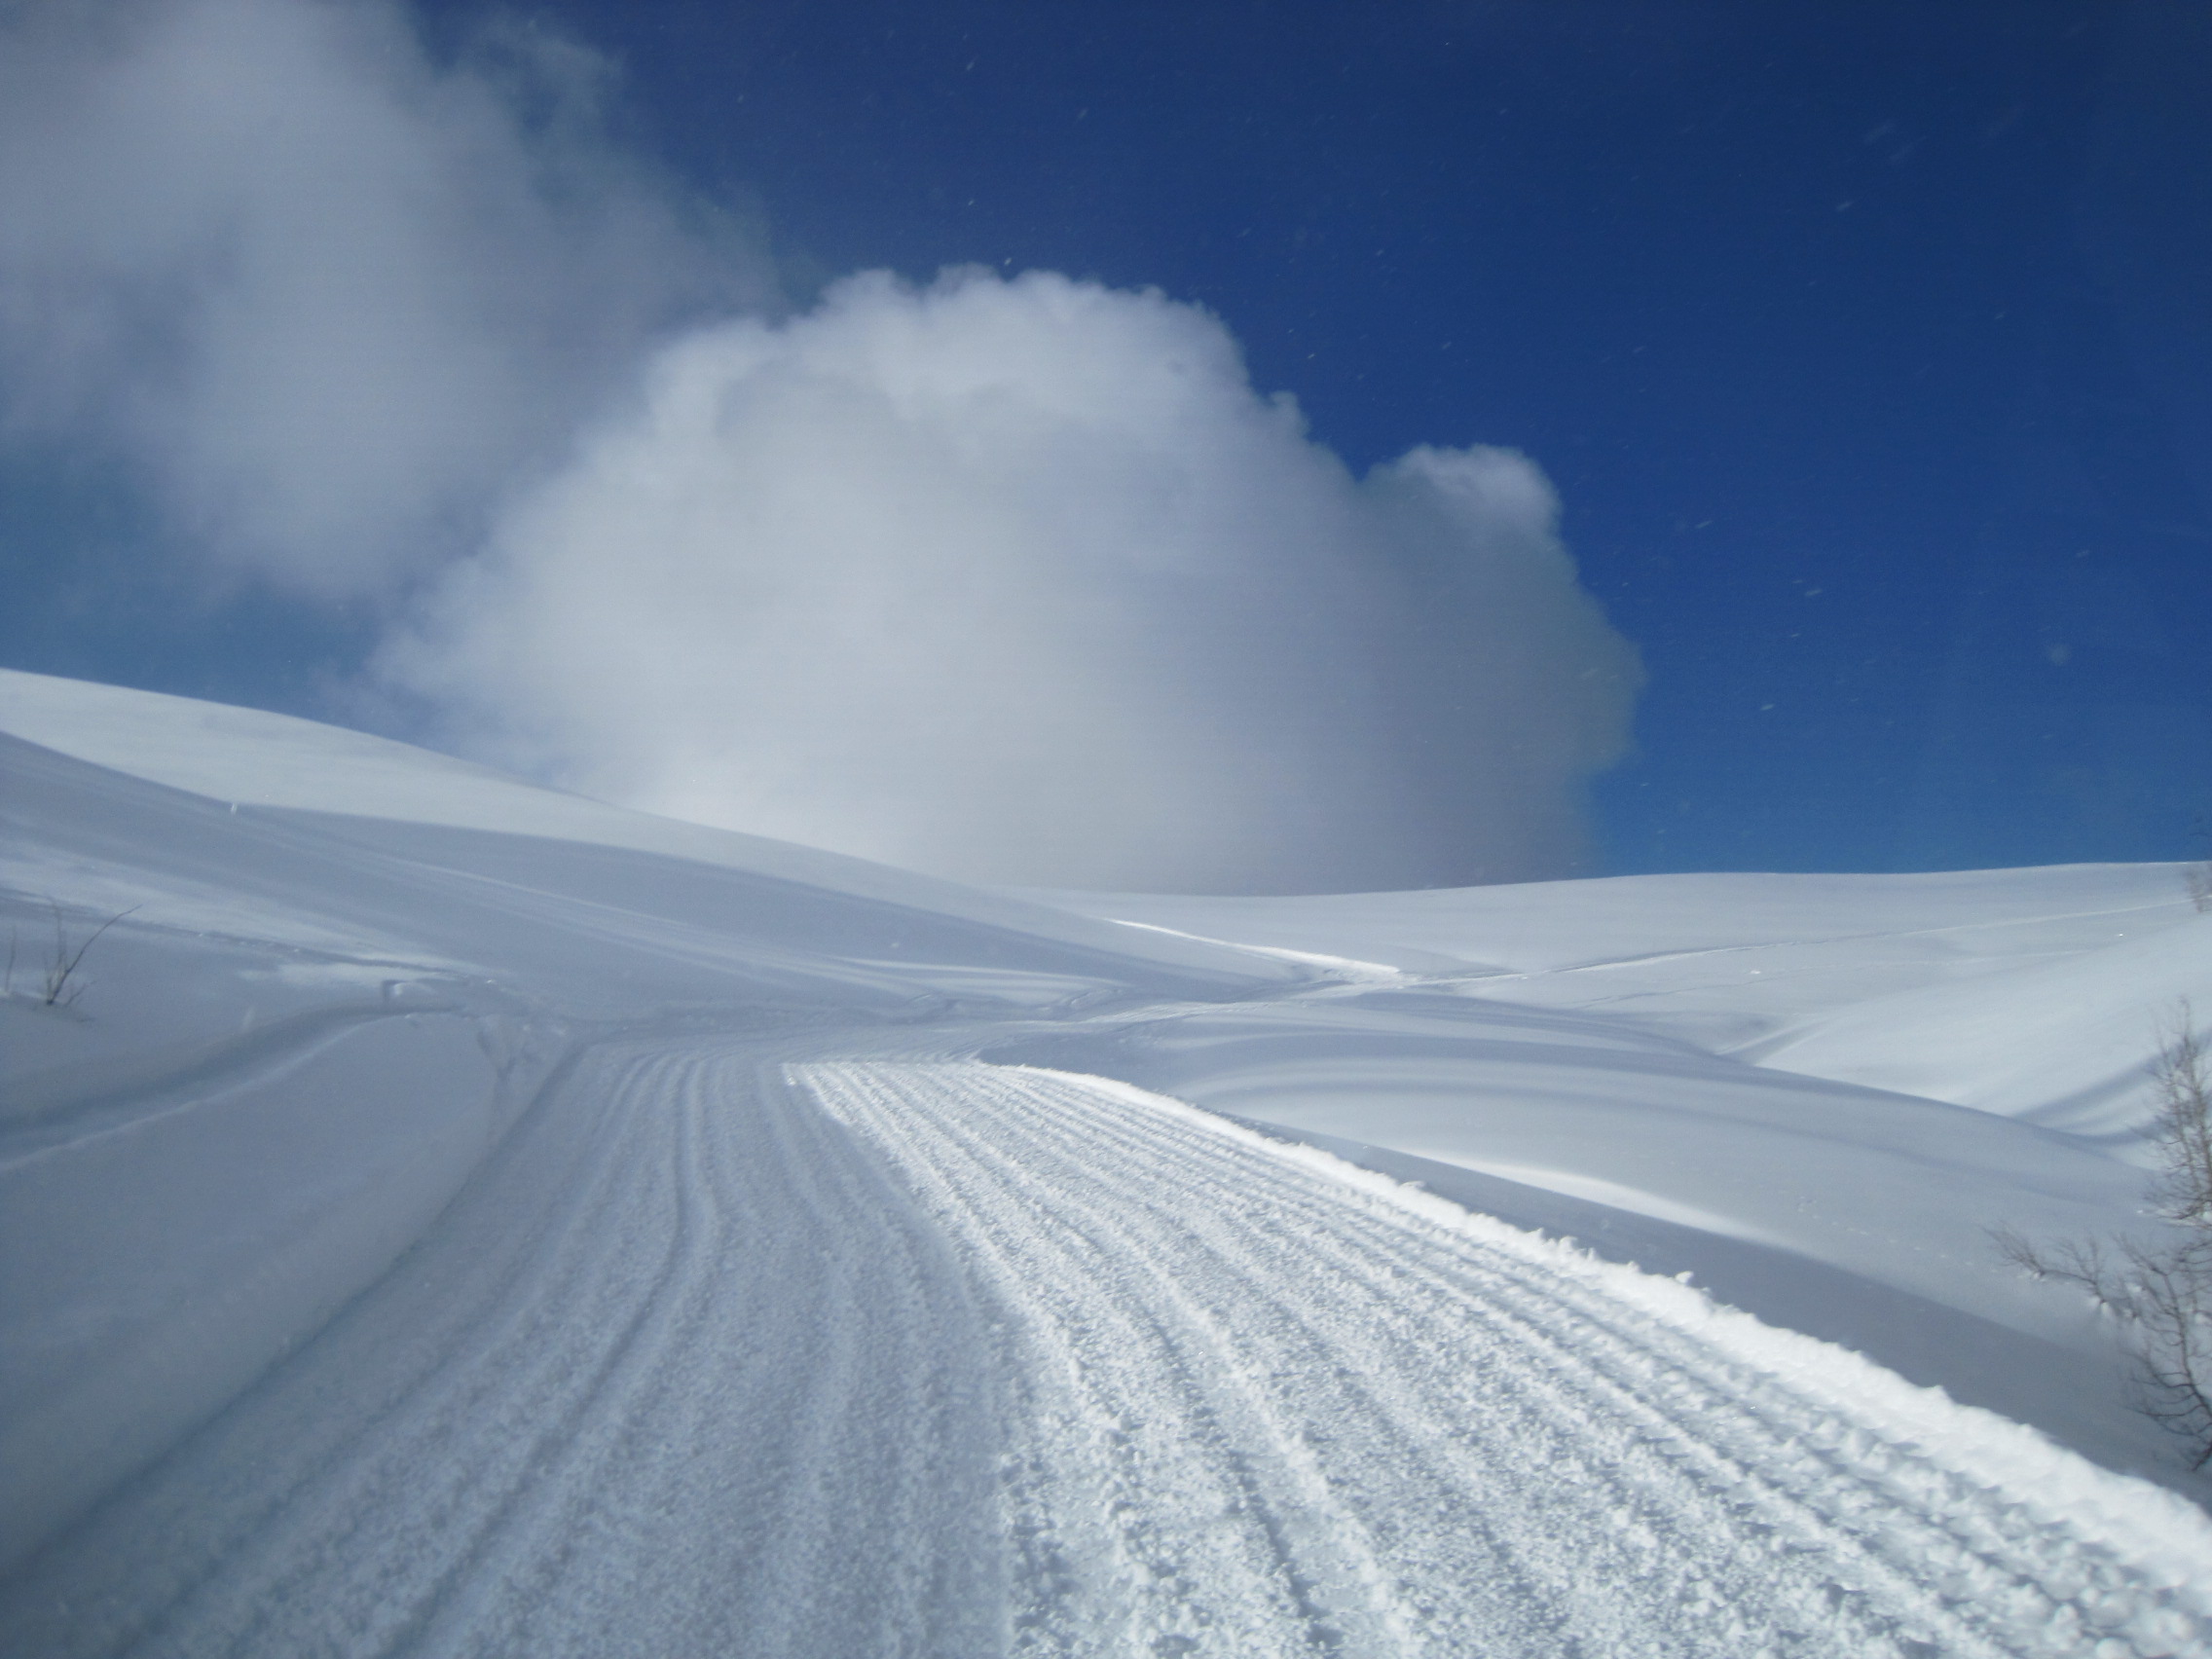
(2032, 993)
(250, 757)
(458, 1215)
(1298, 1366)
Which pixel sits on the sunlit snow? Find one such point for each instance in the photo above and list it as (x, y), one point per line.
(445, 1215)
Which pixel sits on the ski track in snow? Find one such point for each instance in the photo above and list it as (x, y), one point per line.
(679, 1375)
(868, 1358)
(1257, 1412)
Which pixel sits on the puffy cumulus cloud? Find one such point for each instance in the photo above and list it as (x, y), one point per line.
(1021, 581)
(323, 295)
(1015, 580)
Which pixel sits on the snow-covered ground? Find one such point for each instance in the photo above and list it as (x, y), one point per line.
(454, 1216)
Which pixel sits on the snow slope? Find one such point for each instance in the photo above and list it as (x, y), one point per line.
(457, 1216)
(2035, 993)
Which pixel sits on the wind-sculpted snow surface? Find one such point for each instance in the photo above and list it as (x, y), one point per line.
(1261, 1403)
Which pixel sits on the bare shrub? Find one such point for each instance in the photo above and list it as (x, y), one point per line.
(2197, 877)
(2182, 1190)
(2159, 1293)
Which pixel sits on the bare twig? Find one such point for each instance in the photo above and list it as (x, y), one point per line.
(62, 984)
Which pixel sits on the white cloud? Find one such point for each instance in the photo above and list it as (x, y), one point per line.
(323, 296)
(1016, 580)
(1021, 581)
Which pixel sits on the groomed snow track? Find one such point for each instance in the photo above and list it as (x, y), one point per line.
(1260, 1405)
(727, 1355)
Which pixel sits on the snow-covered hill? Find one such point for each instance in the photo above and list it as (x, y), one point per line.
(442, 1213)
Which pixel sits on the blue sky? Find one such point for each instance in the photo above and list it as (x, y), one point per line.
(1867, 347)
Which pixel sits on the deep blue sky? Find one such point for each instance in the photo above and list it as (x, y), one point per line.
(1869, 345)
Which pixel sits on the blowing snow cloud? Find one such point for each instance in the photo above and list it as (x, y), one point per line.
(1010, 579)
